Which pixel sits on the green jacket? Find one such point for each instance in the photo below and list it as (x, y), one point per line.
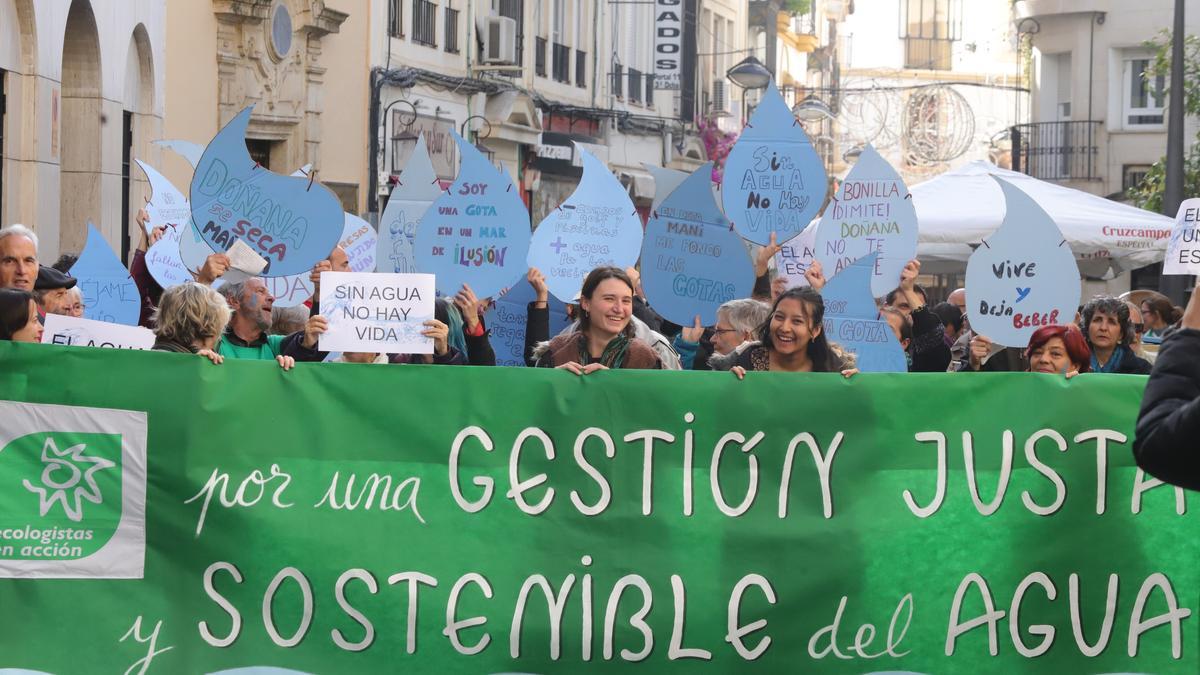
(266, 347)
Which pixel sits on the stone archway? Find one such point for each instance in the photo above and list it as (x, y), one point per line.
(139, 126)
(81, 124)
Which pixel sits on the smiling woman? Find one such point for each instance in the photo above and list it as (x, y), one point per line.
(605, 338)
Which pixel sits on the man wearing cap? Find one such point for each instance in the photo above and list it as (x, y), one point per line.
(18, 257)
(52, 291)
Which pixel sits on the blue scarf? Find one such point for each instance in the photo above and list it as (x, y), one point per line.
(1118, 355)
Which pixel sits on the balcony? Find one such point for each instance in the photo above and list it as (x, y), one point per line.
(560, 63)
(1059, 151)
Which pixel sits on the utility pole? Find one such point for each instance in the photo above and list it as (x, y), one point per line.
(1174, 286)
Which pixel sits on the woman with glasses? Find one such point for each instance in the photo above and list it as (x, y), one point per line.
(1158, 314)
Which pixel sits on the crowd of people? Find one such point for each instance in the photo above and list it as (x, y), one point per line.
(614, 326)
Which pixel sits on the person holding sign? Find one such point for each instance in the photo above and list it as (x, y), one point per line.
(926, 347)
(1168, 425)
(1109, 332)
(246, 336)
(189, 320)
(605, 338)
(791, 340)
(19, 316)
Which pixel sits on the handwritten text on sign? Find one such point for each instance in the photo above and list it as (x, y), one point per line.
(1183, 250)
(80, 332)
(375, 312)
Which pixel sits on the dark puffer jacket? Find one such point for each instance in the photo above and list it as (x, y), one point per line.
(1167, 442)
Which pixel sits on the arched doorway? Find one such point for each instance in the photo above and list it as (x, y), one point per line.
(138, 128)
(81, 124)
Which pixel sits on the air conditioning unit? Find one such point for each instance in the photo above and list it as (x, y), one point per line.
(500, 41)
(720, 101)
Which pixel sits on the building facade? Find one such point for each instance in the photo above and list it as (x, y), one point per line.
(82, 85)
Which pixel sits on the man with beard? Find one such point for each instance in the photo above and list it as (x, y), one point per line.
(246, 335)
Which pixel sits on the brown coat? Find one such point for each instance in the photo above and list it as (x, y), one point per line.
(565, 348)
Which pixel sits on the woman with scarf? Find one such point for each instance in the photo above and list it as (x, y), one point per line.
(1105, 323)
(605, 338)
(791, 340)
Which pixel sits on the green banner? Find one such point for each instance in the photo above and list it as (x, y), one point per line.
(162, 514)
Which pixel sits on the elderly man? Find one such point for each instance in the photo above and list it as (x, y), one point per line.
(246, 335)
(52, 290)
(18, 258)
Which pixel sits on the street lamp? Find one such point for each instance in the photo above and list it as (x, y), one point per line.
(812, 109)
(749, 73)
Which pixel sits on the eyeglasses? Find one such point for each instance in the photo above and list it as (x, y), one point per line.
(718, 331)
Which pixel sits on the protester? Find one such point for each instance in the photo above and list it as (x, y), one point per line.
(1105, 323)
(18, 257)
(475, 335)
(189, 320)
(1158, 314)
(983, 355)
(953, 321)
(19, 316)
(537, 326)
(926, 350)
(52, 291)
(139, 271)
(1168, 426)
(792, 339)
(246, 336)
(958, 298)
(737, 322)
(605, 337)
(75, 304)
(1058, 350)
(1139, 329)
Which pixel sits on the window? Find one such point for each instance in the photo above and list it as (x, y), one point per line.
(929, 28)
(1144, 95)
(424, 23)
(539, 56)
(580, 68)
(395, 18)
(451, 41)
(1132, 175)
(126, 179)
(515, 10)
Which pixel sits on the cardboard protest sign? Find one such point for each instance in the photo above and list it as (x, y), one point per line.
(477, 232)
(359, 241)
(108, 291)
(1183, 250)
(596, 226)
(506, 319)
(192, 152)
(1023, 277)
(376, 312)
(774, 181)
(871, 212)
(292, 222)
(169, 209)
(665, 182)
(410, 199)
(78, 332)
(795, 255)
(692, 260)
(852, 320)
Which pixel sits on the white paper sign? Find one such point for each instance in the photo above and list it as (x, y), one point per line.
(243, 258)
(68, 330)
(376, 312)
(1183, 251)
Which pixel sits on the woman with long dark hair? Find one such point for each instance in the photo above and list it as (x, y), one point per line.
(791, 340)
(605, 338)
(18, 316)
(1158, 314)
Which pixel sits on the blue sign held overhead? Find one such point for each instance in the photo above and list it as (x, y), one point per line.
(596, 226)
(506, 319)
(292, 222)
(108, 291)
(418, 189)
(1023, 277)
(774, 181)
(871, 212)
(169, 209)
(477, 232)
(848, 294)
(692, 261)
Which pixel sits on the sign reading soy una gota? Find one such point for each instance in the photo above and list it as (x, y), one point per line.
(669, 533)
(376, 312)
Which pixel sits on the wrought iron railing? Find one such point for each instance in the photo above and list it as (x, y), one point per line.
(560, 62)
(1057, 150)
(451, 40)
(424, 23)
(635, 85)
